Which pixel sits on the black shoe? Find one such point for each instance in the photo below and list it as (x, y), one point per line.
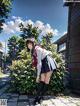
(36, 101)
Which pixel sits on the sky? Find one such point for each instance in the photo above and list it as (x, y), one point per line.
(50, 12)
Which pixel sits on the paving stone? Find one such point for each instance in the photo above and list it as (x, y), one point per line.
(23, 97)
(14, 95)
(24, 100)
(12, 104)
(31, 100)
(47, 103)
(58, 102)
(4, 96)
(39, 105)
(49, 97)
(8, 94)
(12, 99)
(75, 101)
(64, 100)
(71, 104)
(23, 104)
(78, 103)
(2, 90)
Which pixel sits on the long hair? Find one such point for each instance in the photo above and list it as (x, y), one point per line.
(33, 46)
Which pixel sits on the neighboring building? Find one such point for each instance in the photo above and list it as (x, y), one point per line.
(61, 45)
(1, 58)
(73, 44)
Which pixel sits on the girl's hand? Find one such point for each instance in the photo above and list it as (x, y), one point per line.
(34, 68)
(37, 79)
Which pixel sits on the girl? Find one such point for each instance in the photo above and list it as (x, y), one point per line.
(45, 64)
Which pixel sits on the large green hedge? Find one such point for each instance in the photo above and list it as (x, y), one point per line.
(23, 76)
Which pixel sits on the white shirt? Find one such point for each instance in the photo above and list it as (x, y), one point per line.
(41, 54)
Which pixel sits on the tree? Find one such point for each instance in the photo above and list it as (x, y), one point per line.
(13, 47)
(46, 40)
(29, 31)
(21, 71)
(21, 42)
(5, 7)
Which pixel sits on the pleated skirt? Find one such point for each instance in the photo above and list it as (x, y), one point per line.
(48, 64)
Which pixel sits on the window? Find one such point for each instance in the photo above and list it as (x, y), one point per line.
(62, 47)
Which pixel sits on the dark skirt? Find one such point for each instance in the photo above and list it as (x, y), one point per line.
(45, 67)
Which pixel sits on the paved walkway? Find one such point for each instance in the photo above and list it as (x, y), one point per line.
(24, 100)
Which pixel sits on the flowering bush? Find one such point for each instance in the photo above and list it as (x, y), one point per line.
(22, 75)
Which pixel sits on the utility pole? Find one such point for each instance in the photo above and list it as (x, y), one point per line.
(5, 55)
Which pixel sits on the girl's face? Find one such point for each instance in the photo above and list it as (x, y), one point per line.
(30, 46)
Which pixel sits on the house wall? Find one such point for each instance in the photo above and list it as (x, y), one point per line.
(73, 46)
(1, 55)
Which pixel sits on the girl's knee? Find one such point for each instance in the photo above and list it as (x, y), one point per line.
(42, 78)
(47, 80)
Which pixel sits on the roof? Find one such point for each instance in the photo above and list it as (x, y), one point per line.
(70, 2)
(62, 39)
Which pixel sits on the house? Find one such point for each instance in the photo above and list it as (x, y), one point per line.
(73, 44)
(1, 58)
(61, 45)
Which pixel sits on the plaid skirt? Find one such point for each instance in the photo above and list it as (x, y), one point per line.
(48, 64)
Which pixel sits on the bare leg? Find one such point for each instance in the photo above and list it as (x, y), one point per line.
(42, 78)
(48, 77)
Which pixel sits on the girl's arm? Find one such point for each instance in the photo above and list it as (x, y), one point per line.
(39, 62)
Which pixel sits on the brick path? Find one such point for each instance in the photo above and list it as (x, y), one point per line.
(24, 100)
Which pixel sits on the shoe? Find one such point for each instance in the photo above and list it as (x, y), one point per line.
(37, 100)
(35, 103)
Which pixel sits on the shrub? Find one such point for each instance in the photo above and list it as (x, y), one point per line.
(22, 75)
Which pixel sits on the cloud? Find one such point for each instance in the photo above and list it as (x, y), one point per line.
(28, 22)
(47, 29)
(12, 26)
(56, 32)
(39, 25)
